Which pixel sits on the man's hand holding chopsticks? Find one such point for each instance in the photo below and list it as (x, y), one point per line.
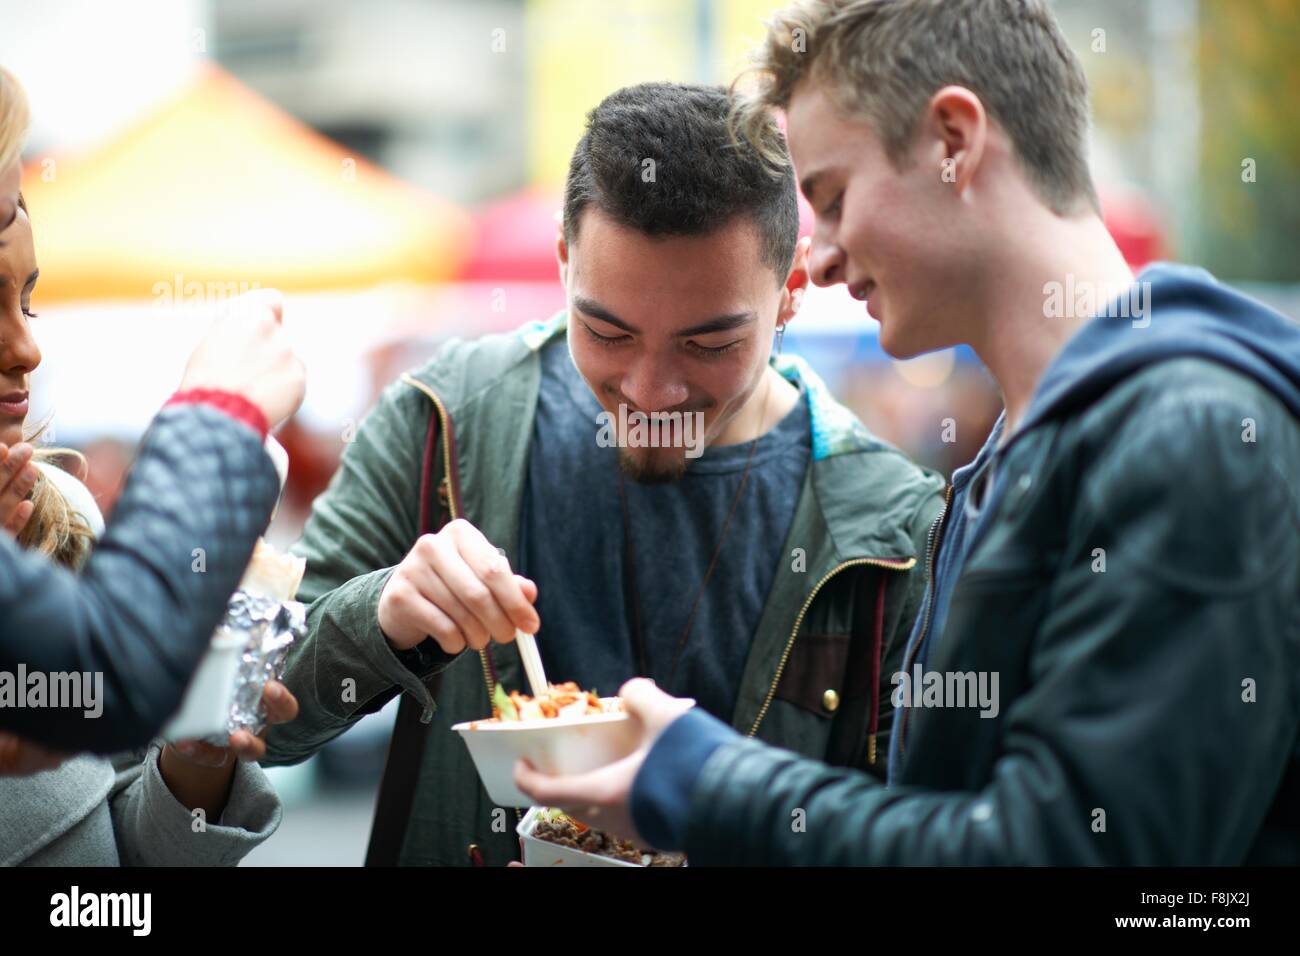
(455, 587)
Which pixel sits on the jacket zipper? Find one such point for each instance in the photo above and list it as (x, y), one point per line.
(900, 564)
(931, 552)
(454, 511)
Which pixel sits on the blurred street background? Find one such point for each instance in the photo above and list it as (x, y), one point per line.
(396, 167)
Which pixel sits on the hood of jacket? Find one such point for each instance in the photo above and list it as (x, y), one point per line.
(1171, 311)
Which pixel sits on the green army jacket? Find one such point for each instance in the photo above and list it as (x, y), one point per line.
(817, 678)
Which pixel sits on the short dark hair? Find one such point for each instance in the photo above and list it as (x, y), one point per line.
(702, 178)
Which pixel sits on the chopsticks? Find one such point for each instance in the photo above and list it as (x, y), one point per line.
(532, 663)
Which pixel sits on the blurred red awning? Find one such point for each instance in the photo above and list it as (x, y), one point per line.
(1133, 223)
(515, 239)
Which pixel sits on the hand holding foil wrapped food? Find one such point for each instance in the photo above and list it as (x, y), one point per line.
(278, 706)
(227, 702)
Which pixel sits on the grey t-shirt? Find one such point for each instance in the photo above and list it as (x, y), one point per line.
(572, 545)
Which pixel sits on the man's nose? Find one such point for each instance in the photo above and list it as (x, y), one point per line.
(653, 386)
(825, 262)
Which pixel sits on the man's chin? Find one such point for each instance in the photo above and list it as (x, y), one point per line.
(897, 344)
(652, 469)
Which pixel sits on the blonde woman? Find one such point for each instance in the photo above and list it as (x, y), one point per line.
(184, 804)
(136, 616)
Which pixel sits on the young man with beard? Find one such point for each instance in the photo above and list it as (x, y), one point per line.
(1123, 556)
(758, 552)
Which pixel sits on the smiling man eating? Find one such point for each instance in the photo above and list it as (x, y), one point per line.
(773, 576)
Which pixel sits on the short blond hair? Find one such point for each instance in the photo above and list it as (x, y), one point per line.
(882, 60)
(15, 118)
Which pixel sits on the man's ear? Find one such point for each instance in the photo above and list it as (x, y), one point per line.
(796, 283)
(562, 256)
(957, 129)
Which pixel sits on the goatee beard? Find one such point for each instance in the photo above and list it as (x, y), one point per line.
(647, 471)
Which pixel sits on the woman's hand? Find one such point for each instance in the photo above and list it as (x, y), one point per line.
(20, 757)
(246, 351)
(17, 478)
(199, 774)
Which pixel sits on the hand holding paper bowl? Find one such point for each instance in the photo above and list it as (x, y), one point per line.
(598, 795)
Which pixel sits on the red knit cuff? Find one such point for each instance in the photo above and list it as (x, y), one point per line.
(232, 403)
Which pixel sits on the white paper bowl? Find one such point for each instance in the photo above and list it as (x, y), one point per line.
(538, 852)
(560, 745)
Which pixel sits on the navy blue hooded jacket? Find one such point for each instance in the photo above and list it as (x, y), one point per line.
(1180, 313)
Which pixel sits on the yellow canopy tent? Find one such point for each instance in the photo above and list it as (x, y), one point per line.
(219, 188)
